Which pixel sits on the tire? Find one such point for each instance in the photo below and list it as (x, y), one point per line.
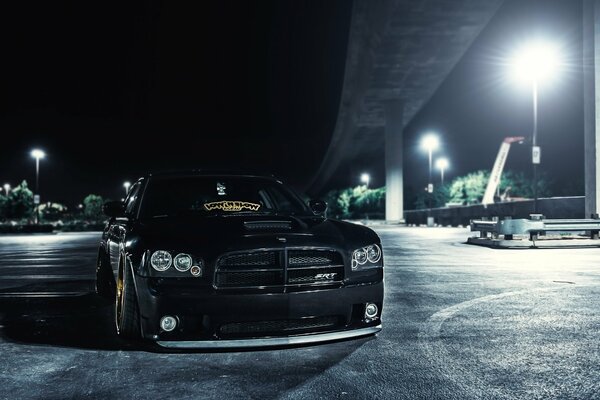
(105, 284)
(127, 315)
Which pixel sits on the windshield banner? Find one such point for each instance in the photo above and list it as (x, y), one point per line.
(231, 206)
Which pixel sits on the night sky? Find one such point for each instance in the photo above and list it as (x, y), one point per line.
(111, 90)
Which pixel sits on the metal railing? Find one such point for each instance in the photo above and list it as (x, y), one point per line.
(535, 226)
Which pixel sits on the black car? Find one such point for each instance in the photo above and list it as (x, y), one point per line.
(202, 260)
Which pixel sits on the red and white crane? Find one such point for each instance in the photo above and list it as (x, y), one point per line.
(488, 197)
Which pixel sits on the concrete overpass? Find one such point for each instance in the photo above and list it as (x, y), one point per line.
(399, 53)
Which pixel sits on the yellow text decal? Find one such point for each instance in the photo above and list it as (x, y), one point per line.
(231, 206)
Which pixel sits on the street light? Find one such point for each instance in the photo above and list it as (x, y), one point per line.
(534, 63)
(126, 185)
(441, 164)
(7, 188)
(430, 142)
(37, 154)
(365, 178)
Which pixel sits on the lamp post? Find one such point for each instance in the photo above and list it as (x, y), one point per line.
(430, 142)
(441, 164)
(365, 178)
(126, 185)
(37, 154)
(536, 62)
(7, 188)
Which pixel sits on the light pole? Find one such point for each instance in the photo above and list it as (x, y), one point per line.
(534, 63)
(7, 188)
(365, 178)
(37, 154)
(126, 185)
(430, 142)
(441, 164)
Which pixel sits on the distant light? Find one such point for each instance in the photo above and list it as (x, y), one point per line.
(430, 142)
(126, 184)
(37, 154)
(6, 187)
(441, 163)
(535, 61)
(365, 178)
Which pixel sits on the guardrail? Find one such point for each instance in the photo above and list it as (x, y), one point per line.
(535, 226)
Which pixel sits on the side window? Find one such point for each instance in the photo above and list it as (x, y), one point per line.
(131, 200)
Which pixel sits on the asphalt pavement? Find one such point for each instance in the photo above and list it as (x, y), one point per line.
(460, 322)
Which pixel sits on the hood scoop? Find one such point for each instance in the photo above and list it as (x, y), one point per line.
(268, 225)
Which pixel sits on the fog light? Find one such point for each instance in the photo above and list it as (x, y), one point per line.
(196, 270)
(168, 323)
(371, 310)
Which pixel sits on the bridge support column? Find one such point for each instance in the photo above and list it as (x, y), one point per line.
(591, 93)
(394, 181)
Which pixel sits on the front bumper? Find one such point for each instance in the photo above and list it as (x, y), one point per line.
(212, 318)
(269, 342)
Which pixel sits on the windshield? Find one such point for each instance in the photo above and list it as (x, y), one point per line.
(168, 196)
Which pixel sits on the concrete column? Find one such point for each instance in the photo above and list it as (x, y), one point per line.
(394, 182)
(591, 93)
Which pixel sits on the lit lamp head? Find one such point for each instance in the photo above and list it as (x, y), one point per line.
(6, 187)
(37, 154)
(441, 163)
(126, 185)
(365, 178)
(535, 62)
(430, 142)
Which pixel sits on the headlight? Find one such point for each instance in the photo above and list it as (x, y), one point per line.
(373, 253)
(182, 262)
(161, 260)
(366, 256)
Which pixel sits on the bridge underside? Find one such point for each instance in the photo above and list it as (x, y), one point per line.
(399, 53)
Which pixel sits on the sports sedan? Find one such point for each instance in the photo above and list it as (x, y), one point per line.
(201, 260)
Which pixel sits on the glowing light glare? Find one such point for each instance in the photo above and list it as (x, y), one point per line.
(37, 154)
(537, 61)
(365, 178)
(430, 142)
(126, 185)
(6, 187)
(441, 163)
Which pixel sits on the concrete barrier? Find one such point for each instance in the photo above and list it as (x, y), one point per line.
(553, 207)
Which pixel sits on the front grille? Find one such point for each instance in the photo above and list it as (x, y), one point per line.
(281, 326)
(263, 259)
(315, 275)
(269, 268)
(248, 278)
(305, 258)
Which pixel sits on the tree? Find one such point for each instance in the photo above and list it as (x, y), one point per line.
(20, 202)
(3, 207)
(92, 207)
(356, 202)
(469, 189)
(52, 211)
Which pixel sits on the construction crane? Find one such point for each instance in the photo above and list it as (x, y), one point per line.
(494, 182)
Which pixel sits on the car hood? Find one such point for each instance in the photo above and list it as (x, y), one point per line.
(238, 232)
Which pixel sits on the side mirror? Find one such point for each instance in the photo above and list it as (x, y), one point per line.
(113, 209)
(318, 207)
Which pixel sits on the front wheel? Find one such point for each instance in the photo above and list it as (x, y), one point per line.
(127, 315)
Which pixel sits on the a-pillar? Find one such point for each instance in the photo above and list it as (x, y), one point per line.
(591, 93)
(394, 182)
